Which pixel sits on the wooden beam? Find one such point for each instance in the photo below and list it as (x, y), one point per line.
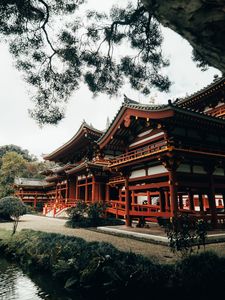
(154, 186)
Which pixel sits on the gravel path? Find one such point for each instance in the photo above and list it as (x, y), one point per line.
(157, 252)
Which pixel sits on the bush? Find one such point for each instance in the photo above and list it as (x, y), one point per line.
(99, 268)
(12, 208)
(92, 215)
(203, 274)
(186, 234)
(96, 267)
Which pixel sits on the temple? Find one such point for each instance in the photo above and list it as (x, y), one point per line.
(153, 161)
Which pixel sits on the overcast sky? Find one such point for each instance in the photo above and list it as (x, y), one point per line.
(16, 127)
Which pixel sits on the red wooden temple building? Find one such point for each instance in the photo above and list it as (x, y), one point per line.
(152, 161)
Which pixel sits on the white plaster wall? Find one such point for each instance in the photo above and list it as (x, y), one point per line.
(147, 139)
(184, 168)
(138, 173)
(219, 171)
(141, 199)
(157, 170)
(145, 132)
(199, 170)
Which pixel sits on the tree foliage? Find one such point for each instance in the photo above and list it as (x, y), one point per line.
(14, 165)
(14, 148)
(58, 47)
(13, 208)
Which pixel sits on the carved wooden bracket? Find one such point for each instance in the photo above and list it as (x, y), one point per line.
(171, 163)
(127, 121)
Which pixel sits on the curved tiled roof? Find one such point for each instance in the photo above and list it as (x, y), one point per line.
(18, 181)
(175, 106)
(86, 164)
(84, 128)
(199, 94)
(129, 103)
(193, 112)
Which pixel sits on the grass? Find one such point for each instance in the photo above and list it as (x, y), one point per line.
(5, 234)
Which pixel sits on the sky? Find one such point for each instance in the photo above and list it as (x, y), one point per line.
(16, 126)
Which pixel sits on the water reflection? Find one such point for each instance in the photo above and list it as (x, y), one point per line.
(15, 285)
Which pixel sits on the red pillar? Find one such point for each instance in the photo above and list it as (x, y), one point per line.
(86, 190)
(224, 201)
(35, 201)
(180, 196)
(201, 202)
(212, 202)
(167, 201)
(173, 193)
(66, 194)
(127, 203)
(93, 191)
(107, 195)
(191, 200)
(162, 201)
(76, 191)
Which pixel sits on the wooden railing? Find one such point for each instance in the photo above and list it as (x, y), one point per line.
(56, 206)
(145, 208)
(116, 179)
(139, 153)
(160, 147)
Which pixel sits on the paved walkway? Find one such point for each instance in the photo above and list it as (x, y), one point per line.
(157, 252)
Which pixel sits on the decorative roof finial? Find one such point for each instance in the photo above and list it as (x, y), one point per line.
(126, 99)
(107, 122)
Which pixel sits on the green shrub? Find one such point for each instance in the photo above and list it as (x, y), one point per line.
(12, 208)
(76, 215)
(100, 269)
(186, 234)
(92, 215)
(202, 274)
(94, 266)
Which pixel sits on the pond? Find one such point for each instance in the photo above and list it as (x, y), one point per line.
(16, 285)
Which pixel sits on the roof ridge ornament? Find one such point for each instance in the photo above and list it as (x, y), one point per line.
(170, 102)
(129, 101)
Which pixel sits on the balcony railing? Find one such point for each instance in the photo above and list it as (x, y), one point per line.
(116, 179)
(139, 153)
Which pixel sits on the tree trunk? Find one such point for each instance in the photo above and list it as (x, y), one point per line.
(201, 23)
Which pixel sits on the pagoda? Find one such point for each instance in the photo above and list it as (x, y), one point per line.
(153, 161)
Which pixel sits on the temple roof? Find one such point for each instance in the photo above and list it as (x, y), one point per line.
(203, 93)
(129, 103)
(31, 182)
(64, 168)
(152, 112)
(78, 143)
(87, 166)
